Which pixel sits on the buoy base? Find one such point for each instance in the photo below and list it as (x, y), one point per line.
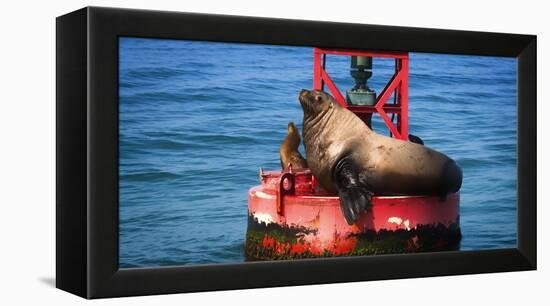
(273, 241)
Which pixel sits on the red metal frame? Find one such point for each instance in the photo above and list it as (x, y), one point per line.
(398, 85)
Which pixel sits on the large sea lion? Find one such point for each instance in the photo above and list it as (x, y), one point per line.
(289, 149)
(353, 161)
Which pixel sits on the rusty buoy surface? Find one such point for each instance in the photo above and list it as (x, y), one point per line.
(289, 216)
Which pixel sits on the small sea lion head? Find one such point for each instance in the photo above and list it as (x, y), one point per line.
(315, 101)
(293, 136)
(292, 128)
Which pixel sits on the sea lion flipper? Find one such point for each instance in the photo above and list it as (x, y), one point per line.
(354, 195)
(353, 201)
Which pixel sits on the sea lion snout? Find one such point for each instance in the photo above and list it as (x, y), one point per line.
(291, 128)
(302, 97)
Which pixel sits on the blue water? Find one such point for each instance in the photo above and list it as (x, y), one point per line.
(198, 119)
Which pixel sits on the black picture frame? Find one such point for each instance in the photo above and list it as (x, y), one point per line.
(87, 152)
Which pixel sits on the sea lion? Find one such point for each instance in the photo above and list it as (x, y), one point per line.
(351, 160)
(289, 149)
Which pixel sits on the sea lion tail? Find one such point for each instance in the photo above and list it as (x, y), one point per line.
(452, 176)
(416, 139)
(354, 195)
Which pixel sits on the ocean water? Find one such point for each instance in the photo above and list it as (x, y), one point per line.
(198, 119)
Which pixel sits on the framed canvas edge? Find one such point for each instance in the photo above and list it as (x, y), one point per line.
(71, 158)
(527, 152)
(105, 279)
